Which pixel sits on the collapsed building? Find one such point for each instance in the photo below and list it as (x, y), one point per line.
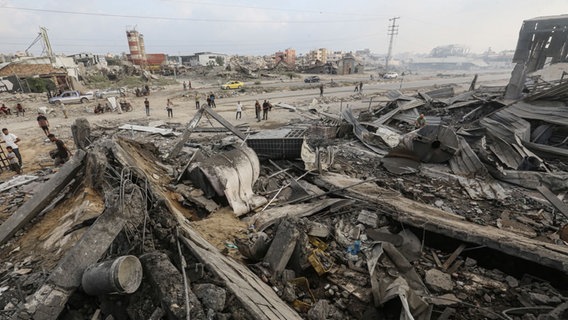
(348, 215)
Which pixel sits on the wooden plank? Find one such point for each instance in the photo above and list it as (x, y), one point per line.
(453, 257)
(438, 221)
(455, 266)
(553, 199)
(436, 259)
(48, 191)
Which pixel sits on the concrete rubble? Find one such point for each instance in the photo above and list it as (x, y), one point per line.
(352, 215)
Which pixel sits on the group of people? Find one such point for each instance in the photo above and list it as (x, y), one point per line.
(60, 154)
(186, 85)
(210, 101)
(5, 111)
(258, 110)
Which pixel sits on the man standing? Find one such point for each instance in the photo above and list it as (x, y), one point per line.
(239, 110)
(43, 123)
(184, 86)
(169, 108)
(196, 100)
(265, 107)
(11, 141)
(212, 98)
(321, 90)
(147, 106)
(61, 154)
(257, 109)
(361, 86)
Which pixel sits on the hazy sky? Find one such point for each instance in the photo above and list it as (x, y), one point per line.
(263, 27)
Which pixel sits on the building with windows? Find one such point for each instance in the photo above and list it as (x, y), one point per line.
(318, 55)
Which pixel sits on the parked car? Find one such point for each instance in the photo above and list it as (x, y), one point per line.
(110, 92)
(390, 75)
(72, 97)
(312, 79)
(232, 85)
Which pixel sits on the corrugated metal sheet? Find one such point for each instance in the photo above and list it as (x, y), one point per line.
(547, 111)
(369, 139)
(505, 125)
(465, 162)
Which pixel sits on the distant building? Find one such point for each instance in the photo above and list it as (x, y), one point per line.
(18, 72)
(89, 59)
(334, 56)
(349, 65)
(452, 50)
(204, 59)
(288, 56)
(318, 55)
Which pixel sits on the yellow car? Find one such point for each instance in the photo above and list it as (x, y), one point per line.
(232, 85)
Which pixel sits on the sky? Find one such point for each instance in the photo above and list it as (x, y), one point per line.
(262, 27)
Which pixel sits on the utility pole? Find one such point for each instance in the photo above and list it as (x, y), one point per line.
(392, 31)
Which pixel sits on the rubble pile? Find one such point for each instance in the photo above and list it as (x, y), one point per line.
(342, 216)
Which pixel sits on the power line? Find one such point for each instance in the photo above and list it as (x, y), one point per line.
(392, 31)
(185, 19)
(275, 9)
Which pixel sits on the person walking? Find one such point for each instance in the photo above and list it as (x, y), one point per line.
(61, 154)
(265, 107)
(11, 141)
(63, 109)
(321, 90)
(147, 106)
(169, 108)
(43, 123)
(361, 86)
(257, 109)
(239, 110)
(356, 87)
(212, 98)
(12, 160)
(196, 100)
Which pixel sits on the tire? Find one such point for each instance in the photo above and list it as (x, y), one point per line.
(84, 100)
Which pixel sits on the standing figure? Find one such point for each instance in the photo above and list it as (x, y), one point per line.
(208, 102)
(197, 101)
(239, 110)
(321, 90)
(20, 109)
(169, 108)
(265, 107)
(147, 106)
(356, 88)
(361, 86)
(184, 86)
(63, 109)
(189, 84)
(13, 161)
(43, 123)
(257, 109)
(11, 141)
(61, 154)
(212, 98)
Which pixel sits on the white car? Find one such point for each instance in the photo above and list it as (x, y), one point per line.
(390, 75)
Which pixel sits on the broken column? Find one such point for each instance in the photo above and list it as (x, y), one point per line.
(120, 275)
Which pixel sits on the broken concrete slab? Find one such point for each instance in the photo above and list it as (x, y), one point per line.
(282, 246)
(49, 191)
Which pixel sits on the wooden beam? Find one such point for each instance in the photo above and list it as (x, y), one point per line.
(453, 257)
(438, 221)
(48, 191)
(553, 199)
